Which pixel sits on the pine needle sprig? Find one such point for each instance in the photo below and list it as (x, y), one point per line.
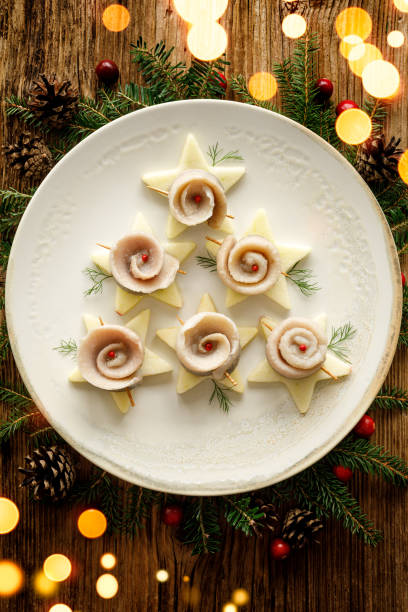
(240, 515)
(17, 419)
(219, 393)
(139, 502)
(377, 111)
(391, 398)
(131, 97)
(303, 279)
(207, 261)
(203, 80)
(97, 277)
(339, 338)
(18, 107)
(15, 397)
(68, 348)
(403, 335)
(46, 436)
(239, 86)
(12, 207)
(202, 528)
(101, 491)
(217, 155)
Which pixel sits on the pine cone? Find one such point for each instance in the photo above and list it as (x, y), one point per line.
(30, 155)
(377, 160)
(53, 102)
(299, 527)
(270, 520)
(49, 472)
(292, 6)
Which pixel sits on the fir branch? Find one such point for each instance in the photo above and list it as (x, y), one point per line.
(202, 528)
(391, 398)
(377, 111)
(18, 107)
(132, 96)
(239, 86)
(203, 79)
(217, 155)
(403, 336)
(207, 261)
(303, 279)
(15, 398)
(12, 207)
(101, 491)
(97, 277)
(219, 393)
(17, 420)
(67, 348)
(339, 337)
(47, 436)
(138, 508)
(4, 337)
(240, 515)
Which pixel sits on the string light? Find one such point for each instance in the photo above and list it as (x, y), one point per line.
(207, 40)
(43, 586)
(11, 578)
(108, 561)
(354, 21)
(116, 18)
(229, 607)
(262, 86)
(294, 25)
(353, 126)
(403, 167)
(348, 43)
(381, 79)
(362, 55)
(395, 38)
(107, 586)
(200, 10)
(240, 597)
(57, 567)
(59, 607)
(162, 575)
(186, 578)
(402, 5)
(92, 523)
(9, 515)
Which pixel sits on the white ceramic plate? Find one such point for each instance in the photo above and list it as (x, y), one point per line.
(182, 444)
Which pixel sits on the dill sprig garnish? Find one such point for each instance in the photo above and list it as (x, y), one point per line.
(207, 261)
(97, 276)
(68, 348)
(339, 336)
(303, 279)
(219, 393)
(217, 155)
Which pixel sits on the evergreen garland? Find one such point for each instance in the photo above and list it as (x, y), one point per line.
(127, 507)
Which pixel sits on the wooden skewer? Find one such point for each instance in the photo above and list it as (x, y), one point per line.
(181, 272)
(230, 216)
(161, 191)
(213, 240)
(180, 321)
(266, 324)
(329, 373)
(130, 396)
(232, 381)
(101, 321)
(285, 274)
(104, 246)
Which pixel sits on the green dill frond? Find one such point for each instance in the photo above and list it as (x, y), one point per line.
(67, 348)
(217, 155)
(207, 261)
(219, 393)
(303, 279)
(339, 338)
(97, 277)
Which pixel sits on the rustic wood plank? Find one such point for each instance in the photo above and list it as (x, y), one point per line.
(342, 574)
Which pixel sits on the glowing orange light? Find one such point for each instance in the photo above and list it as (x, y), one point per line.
(116, 18)
(108, 561)
(240, 597)
(229, 607)
(207, 40)
(200, 10)
(403, 167)
(57, 567)
(162, 575)
(107, 586)
(43, 586)
(353, 126)
(395, 38)
(381, 79)
(92, 523)
(362, 55)
(294, 25)
(348, 43)
(402, 5)
(11, 578)
(186, 578)
(60, 608)
(354, 21)
(262, 85)
(9, 515)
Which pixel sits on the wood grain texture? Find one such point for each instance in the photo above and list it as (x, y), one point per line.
(67, 36)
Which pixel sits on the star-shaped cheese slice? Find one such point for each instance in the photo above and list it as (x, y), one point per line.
(152, 363)
(192, 157)
(289, 255)
(301, 389)
(187, 380)
(124, 300)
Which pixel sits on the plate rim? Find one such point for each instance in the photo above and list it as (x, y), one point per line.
(316, 454)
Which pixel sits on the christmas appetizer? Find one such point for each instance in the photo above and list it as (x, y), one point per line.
(115, 358)
(255, 264)
(299, 355)
(208, 346)
(195, 189)
(141, 266)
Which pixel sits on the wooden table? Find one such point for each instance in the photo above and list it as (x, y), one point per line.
(67, 36)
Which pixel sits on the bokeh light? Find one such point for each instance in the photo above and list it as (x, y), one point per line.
(107, 586)
(294, 25)
(43, 586)
(229, 607)
(348, 43)
(207, 40)
(362, 55)
(381, 79)
(59, 607)
(116, 18)
(186, 578)
(9, 515)
(92, 523)
(403, 167)
(240, 597)
(402, 5)
(353, 126)
(11, 578)
(395, 38)
(108, 561)
(354, 21)
(200, 10)
(262, 86)
(162, 575)
(57, 567)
